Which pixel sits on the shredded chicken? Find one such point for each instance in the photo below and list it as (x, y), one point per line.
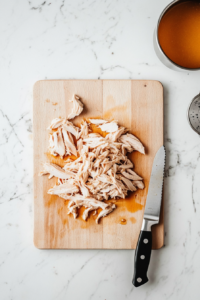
(56, 144)
(69, 142)
(77, 107)
(109, 126)
(98, 121)
(105, 212)
(65, 188)
(102, 170)
(57, 122)
(69, 126)
(113, 136)
(55, 170)
(61, 141)
(131, 141)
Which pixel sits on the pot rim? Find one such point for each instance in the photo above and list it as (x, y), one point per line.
(169, 61)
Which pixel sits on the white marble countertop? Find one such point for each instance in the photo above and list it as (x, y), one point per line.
(56, 39)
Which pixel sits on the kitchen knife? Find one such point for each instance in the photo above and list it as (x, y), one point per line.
(151, 217)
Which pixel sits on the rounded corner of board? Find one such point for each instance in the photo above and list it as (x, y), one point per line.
(36, 85)
(37, 244)
(159, 84)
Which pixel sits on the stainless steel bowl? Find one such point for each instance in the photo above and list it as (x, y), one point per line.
(193, 114)
(161, 55)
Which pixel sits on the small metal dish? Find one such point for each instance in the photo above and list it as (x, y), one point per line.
(193, 114)
(161, 55)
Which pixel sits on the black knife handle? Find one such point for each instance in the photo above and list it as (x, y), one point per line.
(142, 258)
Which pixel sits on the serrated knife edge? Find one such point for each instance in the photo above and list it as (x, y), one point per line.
(155, 189)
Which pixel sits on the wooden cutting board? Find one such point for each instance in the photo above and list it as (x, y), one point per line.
(137, 105)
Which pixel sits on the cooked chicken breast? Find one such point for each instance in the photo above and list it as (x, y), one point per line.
(132, 175)
(69, 126)
(57, 146)
(55, 123)
(64, 188)
(84, 130)
(105, 212)
(113, 137)
(109, 127)
(69, 143)
(98, 121)
(131, 140)
(129, 184)
(139, 184)
(77, 107)
(54, 170)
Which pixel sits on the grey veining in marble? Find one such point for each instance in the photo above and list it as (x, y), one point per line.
(91, 39)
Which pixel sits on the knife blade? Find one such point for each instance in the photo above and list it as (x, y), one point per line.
(151, 217)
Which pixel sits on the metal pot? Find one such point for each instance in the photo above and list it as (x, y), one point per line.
(161, 55)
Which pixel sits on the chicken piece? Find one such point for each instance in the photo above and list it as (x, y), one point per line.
(105, 178)
(56, 123)
(105, 212)
(96, 151)
(84, 150)
(77, 107)
(83, 172)
(86, 212)
(69, 126)
(51, 144)
(94, 135)
(100, 160)
(91, 156)
(104, 154)
(69, 143)
(72, 166)
(131, 175)
(65, 188)
(139, 184)
(57, 146)
(79, 145)
(55, 170)
(95, 187)
(98, 121)
(109, 127)
(84, 130)
(113, 136)
(131, 140)
(84, 191)
(126, 148)
(72, 208)
(128, 166)
(129, 184)
(96, 142)
(92, 204)
(71, 181)
(108, 188)
(116, 194)
(93, 139)
(87, 201)
(119, 186)
(107, 166)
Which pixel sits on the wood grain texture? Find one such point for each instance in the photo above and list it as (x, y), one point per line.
(137, 105)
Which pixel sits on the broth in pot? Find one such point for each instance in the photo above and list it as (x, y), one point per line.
(179, 34)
